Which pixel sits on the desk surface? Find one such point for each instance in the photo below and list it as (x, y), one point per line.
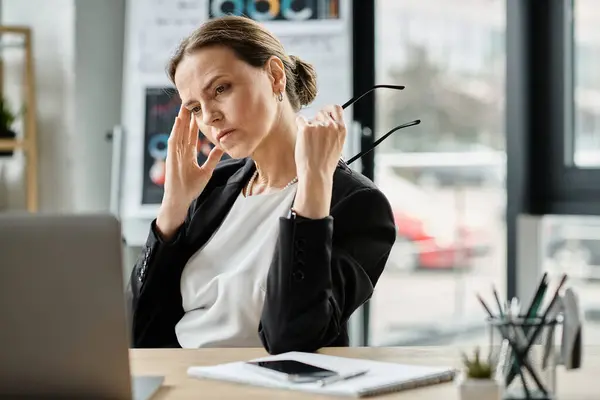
(581, 384)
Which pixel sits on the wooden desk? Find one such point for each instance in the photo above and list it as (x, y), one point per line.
(581, 384)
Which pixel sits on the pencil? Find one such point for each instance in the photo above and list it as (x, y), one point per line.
(519, 356)
(497, 300)
(539, 327)
(487, 309)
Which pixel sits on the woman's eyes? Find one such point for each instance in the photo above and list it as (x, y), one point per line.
(220, 89)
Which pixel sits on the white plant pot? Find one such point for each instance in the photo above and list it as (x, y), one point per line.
(479, 389)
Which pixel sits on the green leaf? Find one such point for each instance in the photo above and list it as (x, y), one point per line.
(7, 116)
(476, 368)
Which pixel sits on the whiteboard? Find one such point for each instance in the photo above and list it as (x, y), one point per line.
(153, 30)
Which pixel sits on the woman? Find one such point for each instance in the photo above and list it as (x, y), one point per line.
(277, 246)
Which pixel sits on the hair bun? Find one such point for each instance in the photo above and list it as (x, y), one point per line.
(306, 81)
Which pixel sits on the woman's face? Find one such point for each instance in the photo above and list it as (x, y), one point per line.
(234, 103)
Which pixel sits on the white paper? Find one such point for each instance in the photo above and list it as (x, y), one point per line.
(381, 375)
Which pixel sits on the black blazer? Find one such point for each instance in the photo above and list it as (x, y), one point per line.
(321, 272)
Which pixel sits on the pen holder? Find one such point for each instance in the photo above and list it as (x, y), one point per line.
(527, 358)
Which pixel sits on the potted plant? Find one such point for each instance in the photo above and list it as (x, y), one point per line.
(7, 118)
(477, 381)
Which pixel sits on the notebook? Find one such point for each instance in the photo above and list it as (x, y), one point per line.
(383, 377)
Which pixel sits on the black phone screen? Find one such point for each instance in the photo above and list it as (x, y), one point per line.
(293, 367)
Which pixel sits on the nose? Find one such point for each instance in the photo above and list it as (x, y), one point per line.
(211, 115)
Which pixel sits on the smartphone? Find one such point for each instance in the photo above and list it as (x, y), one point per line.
(291, 370)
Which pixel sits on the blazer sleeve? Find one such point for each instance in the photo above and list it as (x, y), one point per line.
(323, 270)
(155, 300)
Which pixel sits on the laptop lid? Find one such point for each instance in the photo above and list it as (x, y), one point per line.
(62, 307)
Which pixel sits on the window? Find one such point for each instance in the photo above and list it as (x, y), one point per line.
(571, 245)
(587, 84)
(445, 177)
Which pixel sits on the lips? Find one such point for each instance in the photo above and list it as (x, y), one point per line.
(224, 133)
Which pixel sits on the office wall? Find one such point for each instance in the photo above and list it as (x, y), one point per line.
(78, 47)
(99, 38)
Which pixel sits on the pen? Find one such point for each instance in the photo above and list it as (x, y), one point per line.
(532, 313)
(498, 301)
(340, 377)
(539, 327)
(520, 361)
(518, 354)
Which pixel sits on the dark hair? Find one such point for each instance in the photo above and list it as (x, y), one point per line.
(253, 43)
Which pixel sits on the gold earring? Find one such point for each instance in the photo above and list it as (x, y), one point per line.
(280, 97)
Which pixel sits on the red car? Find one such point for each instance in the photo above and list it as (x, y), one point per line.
(431, 233)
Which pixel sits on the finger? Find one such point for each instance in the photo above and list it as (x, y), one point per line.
(174, 135)
(320, 117)
(193, 132)
(213, 159)
(335, 112)
(184, 115)
(302, 121)
(182, 110)
(323, 117)
(179, 125)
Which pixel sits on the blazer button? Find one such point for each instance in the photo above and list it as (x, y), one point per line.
(298, 275)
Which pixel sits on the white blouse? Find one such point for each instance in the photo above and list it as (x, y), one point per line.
(223, 284)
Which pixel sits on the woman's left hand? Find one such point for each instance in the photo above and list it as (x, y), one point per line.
(319, 143)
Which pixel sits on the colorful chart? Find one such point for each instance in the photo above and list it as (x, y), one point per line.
(277, 10)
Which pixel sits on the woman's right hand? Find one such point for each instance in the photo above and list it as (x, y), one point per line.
(185, 179)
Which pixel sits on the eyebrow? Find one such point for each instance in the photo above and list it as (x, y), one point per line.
(205, 88)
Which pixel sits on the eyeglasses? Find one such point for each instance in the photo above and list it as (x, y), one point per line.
(381, 139)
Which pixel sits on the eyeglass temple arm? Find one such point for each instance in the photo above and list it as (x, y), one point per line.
(381, 139)
(355, 99)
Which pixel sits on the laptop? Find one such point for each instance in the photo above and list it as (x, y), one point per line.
(63, 329)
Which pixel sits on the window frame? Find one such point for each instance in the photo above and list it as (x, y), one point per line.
(363, 78)
(540, 124)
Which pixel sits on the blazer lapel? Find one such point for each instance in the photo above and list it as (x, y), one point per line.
(210, 215)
